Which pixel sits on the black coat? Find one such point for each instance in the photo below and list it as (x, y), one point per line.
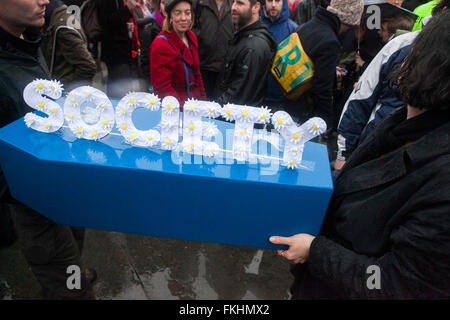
(213, 31)
(319, 38)
(21, 62)
(391, 209)
(247, 64)
(116, 44)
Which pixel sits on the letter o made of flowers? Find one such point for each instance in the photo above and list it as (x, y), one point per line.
(103, 107)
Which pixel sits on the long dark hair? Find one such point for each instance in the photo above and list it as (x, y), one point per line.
(423, 80)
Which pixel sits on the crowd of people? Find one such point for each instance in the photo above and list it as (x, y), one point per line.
(385, 94)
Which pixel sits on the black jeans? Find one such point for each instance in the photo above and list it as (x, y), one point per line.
(50, 249)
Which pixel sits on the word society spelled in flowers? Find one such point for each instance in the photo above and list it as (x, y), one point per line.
(39, 94)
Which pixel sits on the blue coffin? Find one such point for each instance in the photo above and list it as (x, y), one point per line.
(111, 185)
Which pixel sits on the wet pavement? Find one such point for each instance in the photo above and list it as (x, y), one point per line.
(140, 268)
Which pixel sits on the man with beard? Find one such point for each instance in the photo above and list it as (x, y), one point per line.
(247, 63)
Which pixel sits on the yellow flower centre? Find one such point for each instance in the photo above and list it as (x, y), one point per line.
(94, 133)
(243, 131)
(47, 126)
(168, 141)
(70, 116)
(73, 100)
(40, 86)
(169, 107)
(150, 138)
(80, 131)
(122, 111)
(191, 127)
(52, 110)
(296, 136)
(228, 112)
(152, 101)
(191, 147)
(280, 121)
(133, 136)
(105, 122)
(132, 100)
(315, 127)
(245, 113)
(263, 116)
(41, 105)
(124, 126)
(53, 88)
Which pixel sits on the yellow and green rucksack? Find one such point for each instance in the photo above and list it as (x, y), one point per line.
(292, 67)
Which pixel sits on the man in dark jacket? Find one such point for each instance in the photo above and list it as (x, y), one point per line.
(214, 29)
(49, 248)
(113, 16)
(319, 38)
(247, 63)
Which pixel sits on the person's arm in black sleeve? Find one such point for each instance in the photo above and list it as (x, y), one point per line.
(415, 267)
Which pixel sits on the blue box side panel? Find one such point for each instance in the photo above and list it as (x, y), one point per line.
(144, 202)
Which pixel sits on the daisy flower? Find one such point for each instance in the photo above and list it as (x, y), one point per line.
(240, 152)
(228, 113)
(210, 149)
(265, 115)
(153, 102)
(209, 130)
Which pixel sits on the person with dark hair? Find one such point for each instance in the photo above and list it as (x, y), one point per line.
(386, 234)
(243, 78)
(175, 65)
(66, 50)
(48, 247)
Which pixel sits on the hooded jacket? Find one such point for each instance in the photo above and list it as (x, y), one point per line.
(243, 78)
(281, 28)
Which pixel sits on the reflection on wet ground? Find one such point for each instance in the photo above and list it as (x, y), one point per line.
(142, 267)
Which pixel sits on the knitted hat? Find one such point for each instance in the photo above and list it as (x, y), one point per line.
(170, 4)
(348, 11)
